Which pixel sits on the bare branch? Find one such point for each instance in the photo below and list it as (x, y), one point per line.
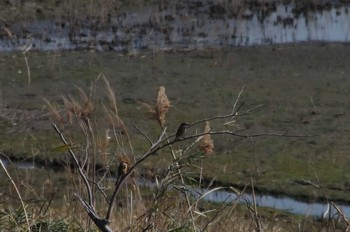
(100, 189)
(153, 149)
(340, 212)
(237, 99)
(141, 132)
(18, 193)
(80, 169)
(232, 114)
(255, 211)
(101, 223)
(238, 134)
(248, 111)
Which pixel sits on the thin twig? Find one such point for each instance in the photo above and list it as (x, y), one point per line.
(100, 189)
(17, 191)
(340, 212)
(27, 63)
(232, 114)
(101, 223)
(141, 132)
(236, 133)
(256, 215)
(237, 99)
(179, 172)
(151, 151)
(81, 172)
(225, 204)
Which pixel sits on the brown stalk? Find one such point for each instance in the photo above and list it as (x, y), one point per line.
(149, 110)
(113, 101)
(54, 112)
(255, 209)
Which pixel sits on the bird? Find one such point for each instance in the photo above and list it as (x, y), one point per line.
(181, 130)
(122, 170)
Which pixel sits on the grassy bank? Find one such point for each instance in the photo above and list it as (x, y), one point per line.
(303, 89)
(51, 206)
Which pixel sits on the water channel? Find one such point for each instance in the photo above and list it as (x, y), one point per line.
(285, 203)
(224, 195)
(278, 202)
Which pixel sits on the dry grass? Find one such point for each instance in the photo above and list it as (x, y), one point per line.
(113, 113)
(153, 209)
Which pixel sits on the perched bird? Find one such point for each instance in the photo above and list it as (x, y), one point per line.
(181, 131)
(122, 170)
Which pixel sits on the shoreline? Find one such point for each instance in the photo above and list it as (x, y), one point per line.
(183, 26)
(207, 183)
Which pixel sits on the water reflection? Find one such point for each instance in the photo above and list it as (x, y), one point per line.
(185, 28)
(277, 202)
(20, 165)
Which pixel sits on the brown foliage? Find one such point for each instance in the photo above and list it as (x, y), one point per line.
(162, 105)
(207, 145)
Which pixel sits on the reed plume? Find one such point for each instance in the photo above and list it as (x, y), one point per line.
(207, 145)
(114, 109)
(149, 110)
(55, 113)
(162, 105)
(79, 110)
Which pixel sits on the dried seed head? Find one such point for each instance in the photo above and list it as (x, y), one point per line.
(207, 145)
(162, 105)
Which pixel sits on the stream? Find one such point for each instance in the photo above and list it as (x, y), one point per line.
(315, 209)
(285, 203)
(278, 202)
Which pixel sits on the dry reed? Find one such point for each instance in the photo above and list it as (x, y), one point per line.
(162, 105)
(207, 144)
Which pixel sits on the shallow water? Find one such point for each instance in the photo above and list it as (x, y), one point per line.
(20, 165)
(285, 203)
(278, 202)
(195, 28)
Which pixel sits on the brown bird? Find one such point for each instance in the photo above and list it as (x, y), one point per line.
(122, 170)
(181, 131)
